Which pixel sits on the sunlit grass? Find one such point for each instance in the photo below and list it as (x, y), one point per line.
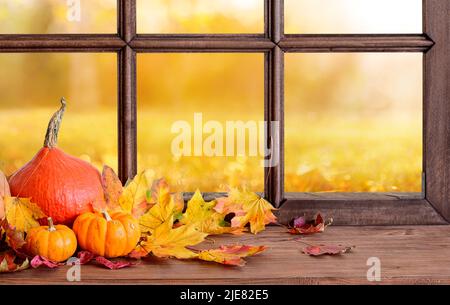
(338, 156)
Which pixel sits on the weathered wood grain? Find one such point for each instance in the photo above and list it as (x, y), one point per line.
(127, 114)
(437, 105)
(126, 19)
(358, 211)
(274, 114)
(356, 43)
(408, 255)
(201, 43)
(61, 43)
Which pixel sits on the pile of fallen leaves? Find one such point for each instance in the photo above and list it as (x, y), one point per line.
(169, 228)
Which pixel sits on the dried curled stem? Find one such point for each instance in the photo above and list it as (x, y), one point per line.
(51, 137)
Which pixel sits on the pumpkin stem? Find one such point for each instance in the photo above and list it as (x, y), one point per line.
(51, 227)
(107, 217)
(51, 137)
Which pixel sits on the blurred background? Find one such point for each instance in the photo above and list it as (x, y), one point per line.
(353, 121)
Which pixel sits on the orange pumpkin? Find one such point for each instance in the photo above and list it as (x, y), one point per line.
(61, 185)
(56, 243)
(107, 235)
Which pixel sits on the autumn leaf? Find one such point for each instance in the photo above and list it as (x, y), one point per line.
(134, 196)
(112, 188)
(230, 255)
(318, 250)
(22, 214)
(8, 262)
(165, 205)
(39, 261)
(4, 192)
(201, 215)
(248, 207)
(85, 257)
(167, 241)
(302, 226)
(14, 238)
(159, 192)
(113, 265)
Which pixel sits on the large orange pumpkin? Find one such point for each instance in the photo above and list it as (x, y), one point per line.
(56, 243)
(61, 185)
(107, 235)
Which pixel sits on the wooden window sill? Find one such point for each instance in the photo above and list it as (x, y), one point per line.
(408, 254)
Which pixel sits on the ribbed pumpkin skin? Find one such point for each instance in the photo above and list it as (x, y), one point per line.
(56, 245)
(113, 238)
(63, 186)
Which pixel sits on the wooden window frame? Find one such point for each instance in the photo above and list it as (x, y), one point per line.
(432, 206)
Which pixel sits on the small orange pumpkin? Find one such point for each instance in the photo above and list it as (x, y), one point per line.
(56, 243)
(107, 235)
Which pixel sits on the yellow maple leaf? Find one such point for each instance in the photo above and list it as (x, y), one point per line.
(159, 213)
(167, 241)
(165, 205)
(201, 214)
(134, 199)
(248, 207)
(21, 213)
(4, 191)
(230, 255)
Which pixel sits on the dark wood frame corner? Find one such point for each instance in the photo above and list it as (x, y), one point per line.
(432, 206)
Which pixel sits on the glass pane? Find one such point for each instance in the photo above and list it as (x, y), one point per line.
(198, 96)
(31, 86)
(353, 16)
(58, 16)
(200, 16)
(353, 122)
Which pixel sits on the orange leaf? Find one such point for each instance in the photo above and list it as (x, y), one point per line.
(230, 255)
(301, 226)
(248, 207)
(112, 187)
(317, 250)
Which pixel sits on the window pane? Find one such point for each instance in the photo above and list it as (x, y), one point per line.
(172, 89)
(31, 86)
(353, 16)
(200, 16)
(353, 122)
(58, 16)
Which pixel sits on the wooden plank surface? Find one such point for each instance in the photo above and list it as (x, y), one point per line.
(408, 255)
